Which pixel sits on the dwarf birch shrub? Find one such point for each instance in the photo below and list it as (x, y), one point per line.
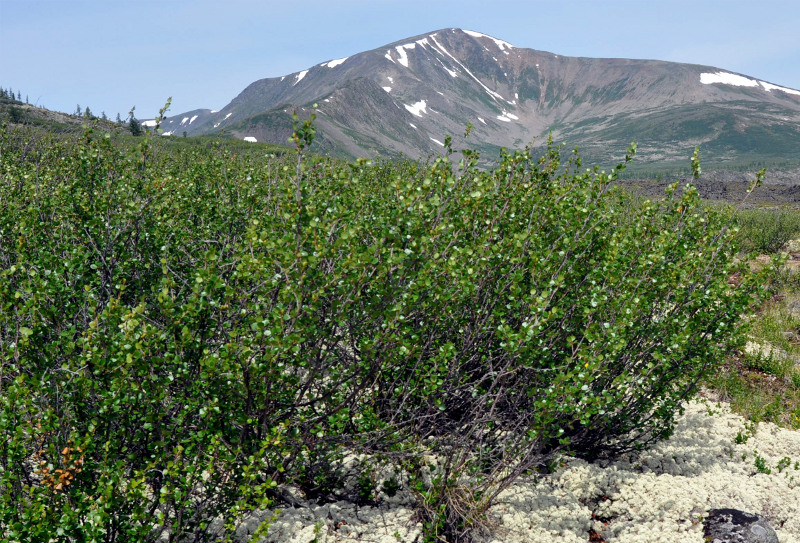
(123, 411)
(182, 333)
(522, 320)
(767, 231)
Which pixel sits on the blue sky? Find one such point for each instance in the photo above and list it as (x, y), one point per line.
(114, 54)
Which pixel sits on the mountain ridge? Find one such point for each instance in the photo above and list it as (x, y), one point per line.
(402, 98)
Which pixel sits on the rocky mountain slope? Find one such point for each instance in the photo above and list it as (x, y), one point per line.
(403, 98)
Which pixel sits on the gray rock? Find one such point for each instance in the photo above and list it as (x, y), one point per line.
(794, 309)
(734, 526)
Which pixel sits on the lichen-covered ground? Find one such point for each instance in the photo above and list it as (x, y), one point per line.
(658, 495)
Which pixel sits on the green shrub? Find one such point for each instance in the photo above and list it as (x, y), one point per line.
(123, 407)
(522, 319)
(766, 231)
(183, 332)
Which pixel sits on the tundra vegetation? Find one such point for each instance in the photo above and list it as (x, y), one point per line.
(187, 331)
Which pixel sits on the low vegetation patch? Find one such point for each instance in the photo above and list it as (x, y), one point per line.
(762, 380)
(767, 231)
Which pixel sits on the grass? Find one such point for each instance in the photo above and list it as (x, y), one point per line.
(762, 382)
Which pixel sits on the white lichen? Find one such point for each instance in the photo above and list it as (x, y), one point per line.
(657, 495)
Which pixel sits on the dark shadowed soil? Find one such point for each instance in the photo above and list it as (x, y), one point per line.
(780, 187)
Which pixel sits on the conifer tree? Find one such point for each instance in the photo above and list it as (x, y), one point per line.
(134, 126)
(15, 114)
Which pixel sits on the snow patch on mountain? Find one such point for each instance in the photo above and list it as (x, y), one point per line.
(502, 45)
(223, 120)
(334, 63)
(452, 73)
(183, 121)
(769, 87)
(387, 89)
(437, 142)
(506, 117)
(193, 119)
(401, 53)
(727, 79)
(251, 139)
(150, 123)
(489, 91)
(300, 77)
(418, 108)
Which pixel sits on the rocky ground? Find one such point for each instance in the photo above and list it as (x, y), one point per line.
(659, 495)
(780, 187)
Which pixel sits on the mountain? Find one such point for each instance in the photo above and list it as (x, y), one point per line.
(402, 99)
